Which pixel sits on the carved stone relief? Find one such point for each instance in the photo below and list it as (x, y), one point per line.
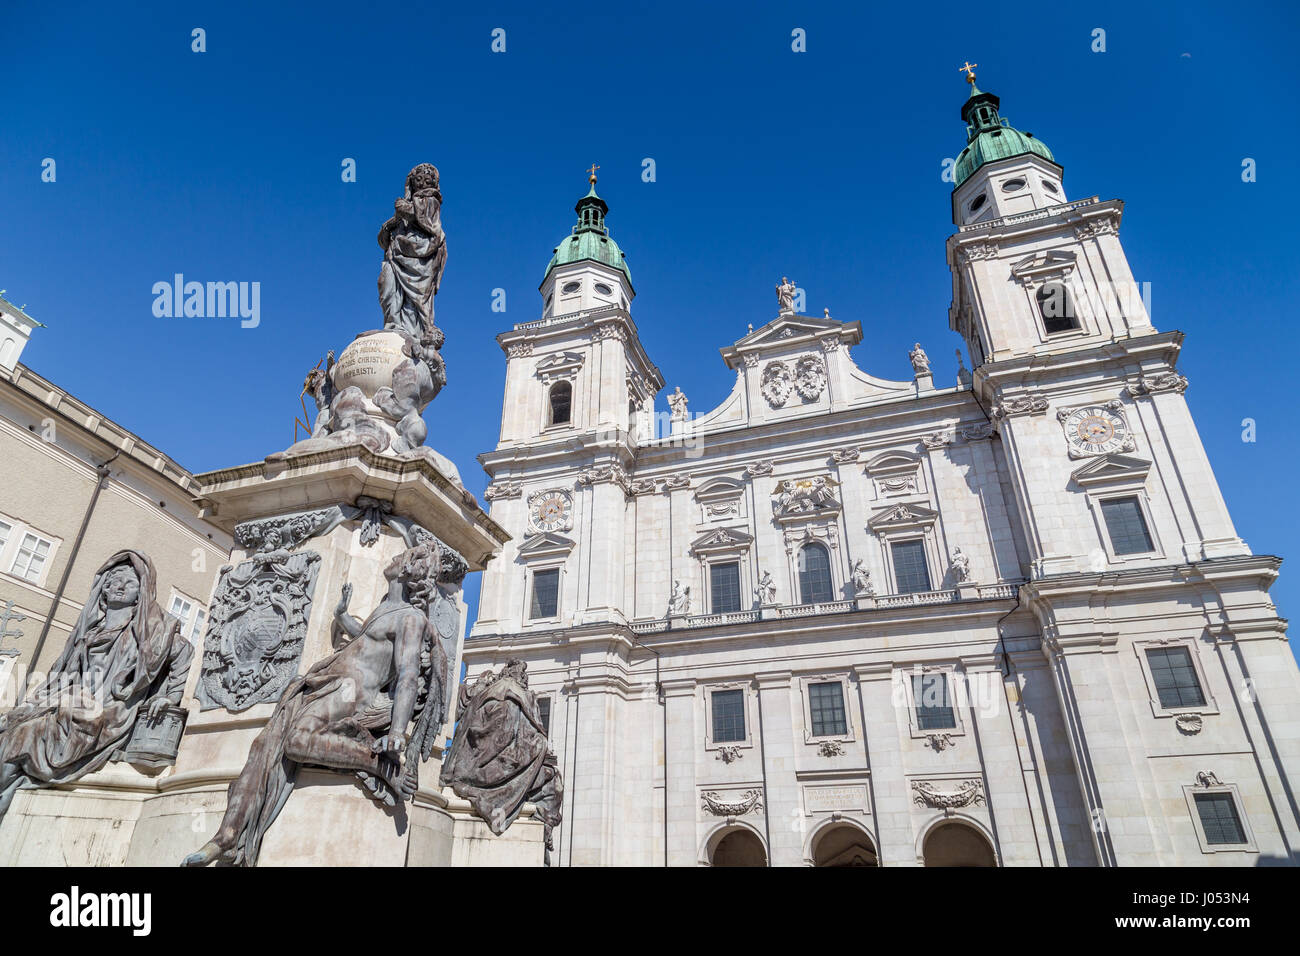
(810, 377)
(777, 383)
(969, 794)
(750, 801)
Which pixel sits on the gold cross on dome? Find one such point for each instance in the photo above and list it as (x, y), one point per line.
(969, 70)
(591, 174)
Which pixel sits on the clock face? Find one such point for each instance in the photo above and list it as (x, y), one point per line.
(551, 511)
(1096, 430)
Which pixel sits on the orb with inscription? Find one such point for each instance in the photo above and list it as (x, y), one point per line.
(368, 362)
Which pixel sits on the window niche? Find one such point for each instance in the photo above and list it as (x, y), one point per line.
(1175, 681)
(559, 378)
(909, 553)
(827, 711)
(1051, 286)
(724, 576)
(728, 718)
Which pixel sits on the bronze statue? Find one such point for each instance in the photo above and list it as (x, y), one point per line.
(500, 757)
(349, 712)
(415, 253)
(124, 661)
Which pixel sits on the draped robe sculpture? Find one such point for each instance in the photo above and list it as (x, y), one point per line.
(500, 757)
(124, 661)
(349, 712)
(415, 253)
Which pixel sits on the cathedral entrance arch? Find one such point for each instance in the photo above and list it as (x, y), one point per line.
(843, 844)
(736, 846)
(956, 844)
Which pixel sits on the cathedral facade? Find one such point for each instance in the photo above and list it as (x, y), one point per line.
(842, 620)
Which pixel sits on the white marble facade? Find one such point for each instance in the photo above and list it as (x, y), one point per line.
(1060, 748)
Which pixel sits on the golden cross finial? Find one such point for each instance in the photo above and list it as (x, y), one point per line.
(969, 70)
(591, 177)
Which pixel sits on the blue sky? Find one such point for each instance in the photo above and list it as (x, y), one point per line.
(824, 166)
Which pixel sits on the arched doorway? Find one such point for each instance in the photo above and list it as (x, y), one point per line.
(844, 845)
(955, 844)
(739, 848)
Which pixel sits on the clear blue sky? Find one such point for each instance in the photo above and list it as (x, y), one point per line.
(824, 166)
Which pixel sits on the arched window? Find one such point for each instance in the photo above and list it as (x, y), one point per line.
(561, 403)
(814, 573)
(954, 844)
(1056, 306)
(739, 848)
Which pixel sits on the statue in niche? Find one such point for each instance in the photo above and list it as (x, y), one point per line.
(861, 579)
(765, 593)
(785, 291)
(415, 253)
(125, 662)
(920, 361)
(351, 711)
(500, 757)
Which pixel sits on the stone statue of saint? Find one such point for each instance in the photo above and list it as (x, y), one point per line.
(415, 253)
(861, 579)
(785, 295)
(680, 600)
(765, 593)
(500, 757)
(920, 361)
(677, 402)
(963, 373)
(960, 566)
(124, 661)
(350, 712)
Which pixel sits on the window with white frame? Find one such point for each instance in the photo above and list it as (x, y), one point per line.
(191, 614)
(5, 529)
(1126, 525)
(911, 572)
(30, 560)
(826, 709)
(724, 587)
(932, 699)
(545, 600)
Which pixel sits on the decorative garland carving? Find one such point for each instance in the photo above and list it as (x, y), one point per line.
(750, 801)
(729, 754)
(969, 794)
(1161, 382)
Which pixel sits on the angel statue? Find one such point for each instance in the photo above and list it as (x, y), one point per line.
(125, 662)
(350, 712)
(415, 253)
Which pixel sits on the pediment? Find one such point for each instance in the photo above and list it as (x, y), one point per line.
(1054, 262)
(1112, 468)
(545, 545)
(787, 330)
(561, 364)
(722, 539)
(902, 516)
(720, 488)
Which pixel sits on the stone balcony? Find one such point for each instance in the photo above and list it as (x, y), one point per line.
(965, 592)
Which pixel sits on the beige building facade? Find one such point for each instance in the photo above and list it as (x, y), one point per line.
(842, 620)
(75, 488)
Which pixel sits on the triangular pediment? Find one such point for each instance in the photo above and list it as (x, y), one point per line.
(548, 543)
(1112, 468)
(902, 516)
(792, 329)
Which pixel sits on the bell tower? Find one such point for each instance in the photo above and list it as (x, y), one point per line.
(1033, 273)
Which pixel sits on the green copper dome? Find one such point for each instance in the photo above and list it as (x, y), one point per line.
(989, 138)
(590, 239)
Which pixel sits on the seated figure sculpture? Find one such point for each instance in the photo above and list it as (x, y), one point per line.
(349, 712)
(124, 661)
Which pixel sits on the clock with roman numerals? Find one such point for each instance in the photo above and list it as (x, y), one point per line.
(1096, 430)
(550, 511)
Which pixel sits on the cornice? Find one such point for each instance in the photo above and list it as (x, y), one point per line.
(525, 337)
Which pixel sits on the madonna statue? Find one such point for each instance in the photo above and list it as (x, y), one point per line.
(415, 253)
(124, 661)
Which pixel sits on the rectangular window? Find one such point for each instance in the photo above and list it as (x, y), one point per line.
(826, 701)
(31, 557)
(910, 570)
(728, 716)
(180, 609)
(1219, 818)
(724, 587)
(546, 593)
(933, 705)
(5, 528)
(196, 632)
(544, 711)
(1175, 677)
(1126, 526)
